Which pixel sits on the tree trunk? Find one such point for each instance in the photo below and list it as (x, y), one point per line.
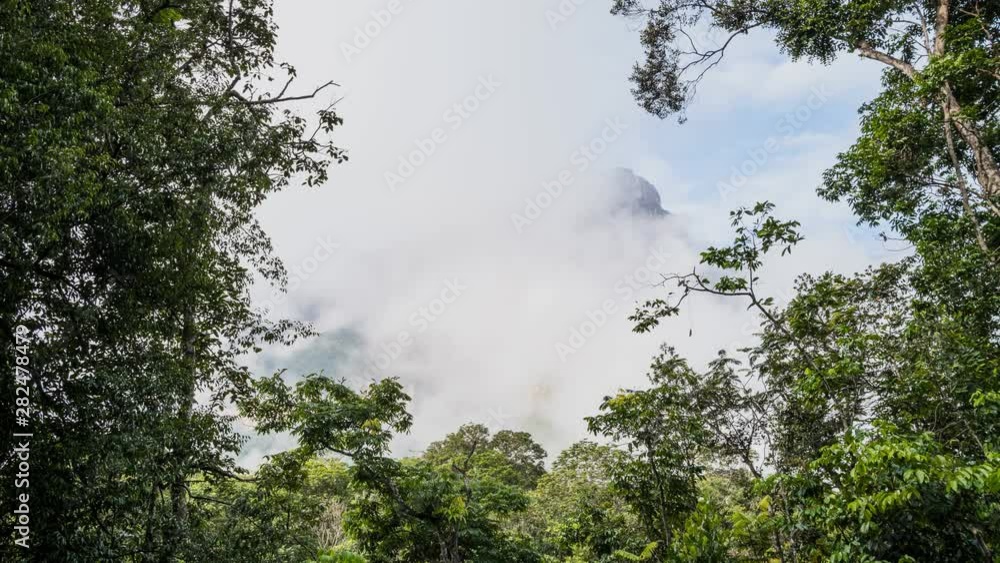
(987, 170)
(182, 453)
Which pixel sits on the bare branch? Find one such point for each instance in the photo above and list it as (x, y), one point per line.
(280, 97)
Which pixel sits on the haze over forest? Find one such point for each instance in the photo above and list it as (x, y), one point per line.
(698, 281)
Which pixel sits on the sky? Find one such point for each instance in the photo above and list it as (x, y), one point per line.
(458, 248)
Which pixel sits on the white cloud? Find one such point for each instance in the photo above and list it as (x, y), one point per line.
(490, 355)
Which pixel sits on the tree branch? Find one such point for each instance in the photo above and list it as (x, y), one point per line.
(280, 97)
(870, 52)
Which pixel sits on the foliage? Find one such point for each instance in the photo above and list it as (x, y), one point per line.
(660, 430)
(444, 508)
(508, 456)
(575, 510)
(862, 424)
(872, 395)
(138, 139)
(870, 401)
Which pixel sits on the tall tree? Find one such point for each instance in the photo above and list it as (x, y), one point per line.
(878, 387)
(138, 138)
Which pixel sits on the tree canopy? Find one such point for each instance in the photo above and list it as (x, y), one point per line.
(140, 137)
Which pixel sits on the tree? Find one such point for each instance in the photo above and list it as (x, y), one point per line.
(909, 345)
(138, 139)
(662, 435)
(513, 457)
(411, 509)
(575, 512)
(139, 136)
(870, 399)
(954, 40)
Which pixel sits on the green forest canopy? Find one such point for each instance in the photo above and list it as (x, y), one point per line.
(138, 139)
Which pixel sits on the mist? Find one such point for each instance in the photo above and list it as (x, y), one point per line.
(476, 245)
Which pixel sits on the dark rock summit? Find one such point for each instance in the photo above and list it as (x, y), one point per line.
(634, 194)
